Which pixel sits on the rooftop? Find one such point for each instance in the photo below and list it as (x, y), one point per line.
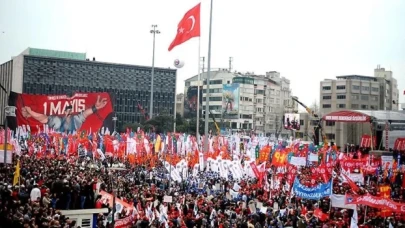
(56, 54)
(357, 77)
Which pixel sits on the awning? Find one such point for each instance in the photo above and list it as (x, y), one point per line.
(347, 116)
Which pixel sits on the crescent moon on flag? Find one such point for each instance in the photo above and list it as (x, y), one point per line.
(192, 25)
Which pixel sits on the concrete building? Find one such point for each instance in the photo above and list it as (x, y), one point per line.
(261, 99)
(356, 92)
(180, 104)
(389, 96)
(306, 127)
(47, 72)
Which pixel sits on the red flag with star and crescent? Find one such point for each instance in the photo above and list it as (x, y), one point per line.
(188, 27)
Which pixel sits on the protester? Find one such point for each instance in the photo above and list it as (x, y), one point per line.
(152, 195)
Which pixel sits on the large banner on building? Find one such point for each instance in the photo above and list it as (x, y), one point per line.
(230, 100)
(292, 121)
(62, 113)
(190, 101)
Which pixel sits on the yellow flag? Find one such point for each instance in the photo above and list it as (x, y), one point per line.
(157, 144)
(17, 173)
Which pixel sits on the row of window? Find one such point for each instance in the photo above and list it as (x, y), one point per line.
(353, 106)
(214, 82)
(364, 97)
(353, 97)
(354, 87)
(95, 66)
(213, 98)
(218, 90)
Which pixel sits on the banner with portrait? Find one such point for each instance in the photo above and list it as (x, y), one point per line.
(62, 113)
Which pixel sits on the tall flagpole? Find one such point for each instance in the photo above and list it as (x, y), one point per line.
(207, 94)
(198, 92)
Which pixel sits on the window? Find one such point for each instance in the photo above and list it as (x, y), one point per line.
(373, 107)
(364, 106)
(330, 123)
(213, 82)
(330, 136)
(341, 106)
(219, 90)
(327, 97)
(213, 98)
(341, 97)
(356, 87)
(355, 106)
(365, 88)
(301, 122)
(341, 87)
(326, 88)
(326, 106)
(374, 89)
(374, 98)
(355, 97)
(364, 97)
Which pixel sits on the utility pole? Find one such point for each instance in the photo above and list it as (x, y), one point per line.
(230, 63)
(115, 122)
(154, 31)
(207, 96)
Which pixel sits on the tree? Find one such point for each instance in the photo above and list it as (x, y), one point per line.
(315, 107)
(279, 126)
(160, 123)
(132, 126)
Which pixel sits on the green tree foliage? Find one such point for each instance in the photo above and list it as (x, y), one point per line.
(133, 126)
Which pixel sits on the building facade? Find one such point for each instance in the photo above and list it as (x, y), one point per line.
(180, 104)
(356, 92)
(46, 72)
(257, 104)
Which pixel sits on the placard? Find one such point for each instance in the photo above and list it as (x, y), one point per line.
(168, 199)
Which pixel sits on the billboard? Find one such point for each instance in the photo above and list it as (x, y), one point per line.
(190, 101)
(230, 99)
(292, 121)
(63, 113)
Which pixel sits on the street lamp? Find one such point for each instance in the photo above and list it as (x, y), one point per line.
(8, 111)
(115, 122)
(207, 96)
(154, 31)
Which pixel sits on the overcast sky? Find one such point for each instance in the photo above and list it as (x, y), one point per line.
(306, 41)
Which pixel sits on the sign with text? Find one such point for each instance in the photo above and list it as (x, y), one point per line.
(62, 113)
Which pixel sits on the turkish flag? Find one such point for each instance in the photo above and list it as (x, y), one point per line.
(188, 27)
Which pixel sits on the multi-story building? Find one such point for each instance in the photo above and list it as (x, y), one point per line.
(356, 92)
(180, 104)
(260, 99)
(37, 71)
(389, 95)
(306, 127)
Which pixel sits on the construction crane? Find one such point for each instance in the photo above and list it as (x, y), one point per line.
(216, 124)
(318, 127)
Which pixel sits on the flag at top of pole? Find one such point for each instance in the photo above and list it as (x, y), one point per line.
(188, 27)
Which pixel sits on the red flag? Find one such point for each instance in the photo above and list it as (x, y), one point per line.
(188, 27)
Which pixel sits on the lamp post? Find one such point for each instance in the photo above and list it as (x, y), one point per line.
(115, 122)
(154, 31)
(207, 96)
(8, 111)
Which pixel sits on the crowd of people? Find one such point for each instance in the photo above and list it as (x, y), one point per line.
(48, 186)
